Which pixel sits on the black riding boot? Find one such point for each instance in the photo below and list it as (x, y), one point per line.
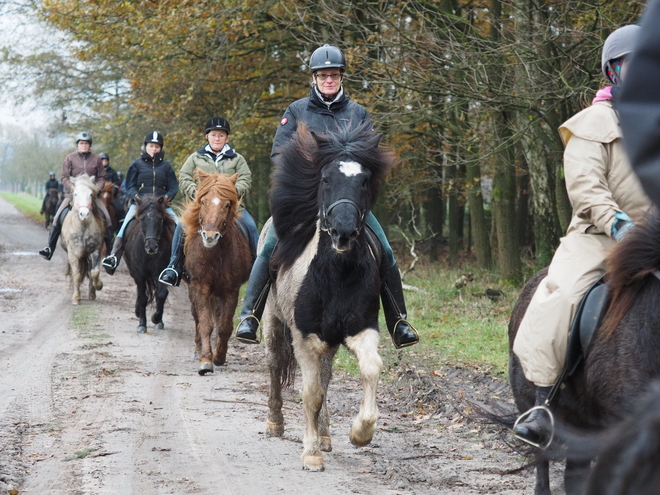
(403, 333)
(111, 262)
(53, 236)
(254, 303)
(172, 274)
(108, 237)
(535, 428)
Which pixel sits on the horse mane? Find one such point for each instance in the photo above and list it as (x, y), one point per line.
(151, 202)
(108, 187)
(630, 268)
(296, 177)
(217, 184)
(86, 180)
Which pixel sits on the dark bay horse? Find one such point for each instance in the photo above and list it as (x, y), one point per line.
(328, 283)
(50, 207)
(82, 237)
(108, 198)
(624, 356)
(218, 262)
(148, 243)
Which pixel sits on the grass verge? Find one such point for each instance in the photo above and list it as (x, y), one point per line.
(30, 205)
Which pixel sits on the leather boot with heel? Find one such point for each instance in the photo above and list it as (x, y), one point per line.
(254, 303)
(402, 332)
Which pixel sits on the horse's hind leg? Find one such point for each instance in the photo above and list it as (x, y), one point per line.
(141, 306)
(542, 486)
(324, 418)
(279, 350)
(575, 476)
(365, 348)
(161, 296)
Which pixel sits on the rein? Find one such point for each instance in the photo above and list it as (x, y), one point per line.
(326, 211)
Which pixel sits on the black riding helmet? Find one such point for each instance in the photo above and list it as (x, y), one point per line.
(326, 57)
(154, 137)
(104, 156)
(217, 124)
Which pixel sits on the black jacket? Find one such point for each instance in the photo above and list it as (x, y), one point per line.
(638, 104)
(111, 176)
(319, 116)
(148, 175)
(52, 183)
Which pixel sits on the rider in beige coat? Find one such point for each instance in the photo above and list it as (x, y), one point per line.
(607, 200)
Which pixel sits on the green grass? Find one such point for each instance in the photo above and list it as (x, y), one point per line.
(85, 322)
(30, 205)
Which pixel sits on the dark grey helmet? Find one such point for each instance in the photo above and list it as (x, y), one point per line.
(104, 156)
(51, 173)
(619, 43)
(217, 123)
(154, 137)
(326, 57)
(84, 136)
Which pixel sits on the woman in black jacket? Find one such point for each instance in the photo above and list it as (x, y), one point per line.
(150, 174)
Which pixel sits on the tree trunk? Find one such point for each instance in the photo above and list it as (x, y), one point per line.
(478, 225)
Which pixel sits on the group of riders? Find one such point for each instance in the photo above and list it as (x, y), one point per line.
(326, 109)
(606, 197)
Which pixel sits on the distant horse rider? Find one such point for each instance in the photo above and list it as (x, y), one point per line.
(82, 161)
(51, 183)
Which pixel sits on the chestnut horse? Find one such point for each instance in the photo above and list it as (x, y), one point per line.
(329, 276)
(624, 356)
(218, 261)
(82, 237)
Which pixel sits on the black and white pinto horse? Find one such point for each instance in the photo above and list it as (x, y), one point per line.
(328, 277)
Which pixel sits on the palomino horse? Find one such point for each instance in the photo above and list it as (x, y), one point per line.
(108, 198)
(50, 206)
(218, 262)
(624, 356)
(82, 237)
(328, 283)
(148, 242)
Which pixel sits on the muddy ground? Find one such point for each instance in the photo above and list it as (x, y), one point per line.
(89, 406)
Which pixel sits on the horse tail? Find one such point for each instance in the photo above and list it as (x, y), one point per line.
(287, 379)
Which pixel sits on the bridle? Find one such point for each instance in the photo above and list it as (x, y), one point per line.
(326, 211)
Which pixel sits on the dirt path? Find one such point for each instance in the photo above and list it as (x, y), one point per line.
(89, 406)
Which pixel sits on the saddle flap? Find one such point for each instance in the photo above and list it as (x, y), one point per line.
(587, 319)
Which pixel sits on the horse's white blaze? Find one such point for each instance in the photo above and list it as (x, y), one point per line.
(215, 201)
(350, 169)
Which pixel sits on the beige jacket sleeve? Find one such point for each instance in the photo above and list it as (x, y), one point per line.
(588, 138)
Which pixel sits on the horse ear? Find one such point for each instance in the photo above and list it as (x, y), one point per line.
(201, 175)
(93, 179)
(234, 178)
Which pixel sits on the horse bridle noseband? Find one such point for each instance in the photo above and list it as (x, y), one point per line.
(326, 211)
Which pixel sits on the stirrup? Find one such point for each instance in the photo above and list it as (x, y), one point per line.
(412, 328)
(110, 262)
(525, 415)
(46, 253)
(164, 272)
(246, 340)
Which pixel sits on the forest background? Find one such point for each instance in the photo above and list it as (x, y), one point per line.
(469, 94)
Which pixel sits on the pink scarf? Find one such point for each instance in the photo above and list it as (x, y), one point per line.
(603, 94)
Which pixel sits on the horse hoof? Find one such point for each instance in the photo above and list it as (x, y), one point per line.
(313, 463)
(92, 297)
(362, 437)
(160, 326)
(98, 285)
(274, 429)
(141, 329)
(205, 368)
(75, 302)
(157, 318)
(220, 362)
(325, 444)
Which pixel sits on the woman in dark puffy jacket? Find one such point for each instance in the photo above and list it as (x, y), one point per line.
(150, 174)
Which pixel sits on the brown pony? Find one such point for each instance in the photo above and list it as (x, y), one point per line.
(218, 262)
(108, 198)
(50, 206)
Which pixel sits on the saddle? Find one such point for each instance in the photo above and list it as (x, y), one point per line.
(586, 322)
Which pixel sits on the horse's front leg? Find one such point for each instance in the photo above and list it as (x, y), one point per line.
(76, 276)
(277, 357)
(141, 306)
(95, 271)
(224, 313)
(324, 418)
(365, 348)
(161, 297)
(201, 299)
(309, 353)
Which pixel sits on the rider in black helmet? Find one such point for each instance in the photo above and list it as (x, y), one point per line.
(324, 110)
(110, 173)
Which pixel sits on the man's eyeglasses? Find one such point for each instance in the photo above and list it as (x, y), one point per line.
(323, 77)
